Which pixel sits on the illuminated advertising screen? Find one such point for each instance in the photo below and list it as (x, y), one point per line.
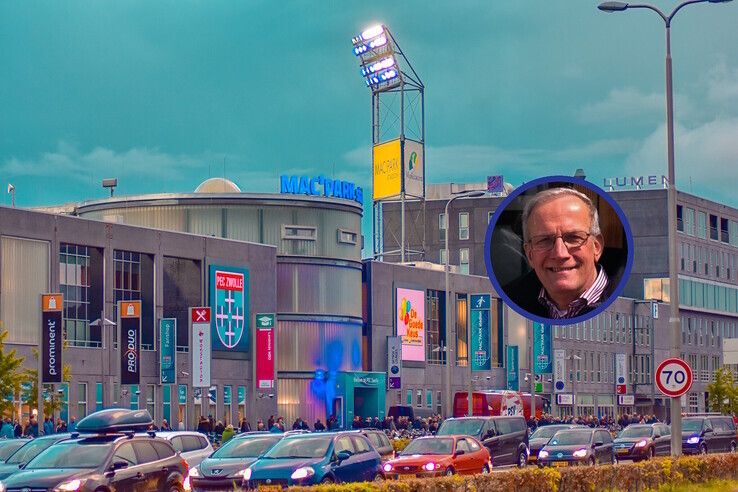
(410, 319)
(387, 170)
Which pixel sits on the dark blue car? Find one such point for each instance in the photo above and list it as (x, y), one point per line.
(309, 459)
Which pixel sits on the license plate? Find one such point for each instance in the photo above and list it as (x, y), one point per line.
(561, 463)
(270, 488)
(622, 451)
(406, 476)
(532, 458)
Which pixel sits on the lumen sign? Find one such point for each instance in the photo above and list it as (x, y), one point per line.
(320, 186)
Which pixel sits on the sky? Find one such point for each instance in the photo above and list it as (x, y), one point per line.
(165, 94)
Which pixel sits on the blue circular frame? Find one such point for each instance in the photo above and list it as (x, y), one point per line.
(558, 179)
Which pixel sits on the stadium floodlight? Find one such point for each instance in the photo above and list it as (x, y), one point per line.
(379, 66)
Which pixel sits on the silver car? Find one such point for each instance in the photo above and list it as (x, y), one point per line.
(192, 446)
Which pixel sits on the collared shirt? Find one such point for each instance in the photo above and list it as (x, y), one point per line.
(589, 297)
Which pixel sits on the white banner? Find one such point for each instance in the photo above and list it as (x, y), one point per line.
(413, 168)
(560, 371)
(200, 346)
(621, 369)
(394, 362)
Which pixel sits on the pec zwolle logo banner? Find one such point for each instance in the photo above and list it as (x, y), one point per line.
(230, 317)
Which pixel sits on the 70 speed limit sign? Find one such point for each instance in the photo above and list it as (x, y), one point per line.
(674, 377)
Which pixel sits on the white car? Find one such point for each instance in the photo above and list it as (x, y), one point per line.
(192, 446)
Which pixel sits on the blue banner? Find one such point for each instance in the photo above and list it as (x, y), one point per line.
(481, 359)
(168, 350)
(241, 395)
(542, 348)
(229, 300)
(512, 367)
(182, 394)
(227, 395)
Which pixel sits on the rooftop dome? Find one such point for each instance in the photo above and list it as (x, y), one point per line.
(218, 185)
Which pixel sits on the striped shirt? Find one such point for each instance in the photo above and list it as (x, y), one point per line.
(589, 297)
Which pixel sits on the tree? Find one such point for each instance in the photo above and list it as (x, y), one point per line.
(723, 393)
(11, 374)
(52, 402)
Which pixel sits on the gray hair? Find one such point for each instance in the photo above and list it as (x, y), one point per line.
(546, 195)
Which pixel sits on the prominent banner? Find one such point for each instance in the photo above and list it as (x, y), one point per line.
(51, 338)
(129, 323)
(410, 319)
(200, 346)
(387, 169)
(394, 362)
(542, 348)
(559, 370)
(414, 168)
(229, 298)
(512, 367)
(480, 347)
(265, 350)
(621, 370)
(167, 350)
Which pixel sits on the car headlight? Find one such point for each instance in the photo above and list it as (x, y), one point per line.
(2, 487)
(245, 474)
(642, 443)
(194, 472)
(693, 440)
(70, 485)
(431, 466)
(387, 467)
(303, 472)
(580, 453)
(543, 454)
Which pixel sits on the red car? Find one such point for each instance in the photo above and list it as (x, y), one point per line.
(437, 456)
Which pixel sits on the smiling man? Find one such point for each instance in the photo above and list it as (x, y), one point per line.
(563, 245)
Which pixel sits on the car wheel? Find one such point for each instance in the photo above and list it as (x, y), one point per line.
(703, 449)
(327, 480)
(522, 459)
(175, 487)
(449, 471)
(591, 461)
(485, 470)
(378, 478)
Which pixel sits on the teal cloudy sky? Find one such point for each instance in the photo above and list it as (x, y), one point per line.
(161, 93)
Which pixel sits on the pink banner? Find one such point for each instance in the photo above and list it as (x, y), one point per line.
(265, 358)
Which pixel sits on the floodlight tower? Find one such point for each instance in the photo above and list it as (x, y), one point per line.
(398, 135)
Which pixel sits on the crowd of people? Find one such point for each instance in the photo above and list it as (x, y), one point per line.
(14, 428)
(606, 421)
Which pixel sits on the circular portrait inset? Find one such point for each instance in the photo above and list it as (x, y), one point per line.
(559, 250)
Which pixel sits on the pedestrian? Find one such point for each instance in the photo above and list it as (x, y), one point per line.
(227, 434)
(165, 425)
(7, 429)
(32, 428)
(72, 424)
(260, 425)
(270, 422)
(318, 426)
(48, 426)
(181, 425)
(17, 429)
(245, 426)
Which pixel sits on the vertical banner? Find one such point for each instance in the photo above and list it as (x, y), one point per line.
(542, 348)
(227, 395)
(394, 362)
(410, 319)
(51, 338)
(167, 350)
(621, 369)
(265, 350)
(480, 349)
(229, 299)
(559, 370)
(129, 323)
(200, 346)
(512, 367)
(241, 391)
(182, 394)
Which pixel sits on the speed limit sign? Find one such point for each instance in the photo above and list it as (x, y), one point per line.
(674, 377)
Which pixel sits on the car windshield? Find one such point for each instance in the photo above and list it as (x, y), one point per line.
(71, 455)
(636, 432)
(694, 425)
(304, 447)
(545, 432)
(245, 448)
(29, 451)
(569, 438)
(429, 446)
(9, 447)
(462, 427)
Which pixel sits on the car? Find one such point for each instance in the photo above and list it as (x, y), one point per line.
(643, 441)
(578, 447)
(308, 459)
(30, 449)
(109, 453)
(223, 470)
(542, 435)
(9, 446)
(438, 456)
(506, 438)
(714, 434)
(192, 446)
(381, 443)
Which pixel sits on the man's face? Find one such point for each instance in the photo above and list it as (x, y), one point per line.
(564, 272)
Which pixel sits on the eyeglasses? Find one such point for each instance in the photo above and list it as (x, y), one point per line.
(572, 240)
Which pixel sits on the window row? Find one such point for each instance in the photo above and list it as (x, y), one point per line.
(706, 225)
(708, 261)
(609, 327)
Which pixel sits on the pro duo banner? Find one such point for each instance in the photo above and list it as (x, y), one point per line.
(129, 325)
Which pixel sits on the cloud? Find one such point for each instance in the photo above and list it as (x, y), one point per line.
(706, 157)
(628, 104)
(722, 84)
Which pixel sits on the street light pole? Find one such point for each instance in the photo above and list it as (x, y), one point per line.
(449, 358)
(674, 321)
